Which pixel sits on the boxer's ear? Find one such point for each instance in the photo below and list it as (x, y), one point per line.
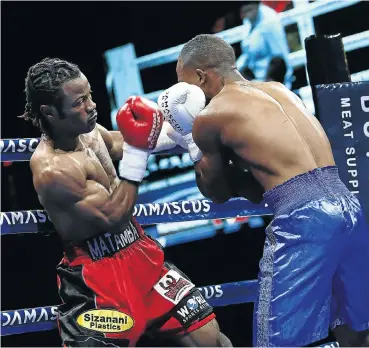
(48, 111)
(201, 74)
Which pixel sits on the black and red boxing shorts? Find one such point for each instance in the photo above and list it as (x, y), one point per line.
(115, 287)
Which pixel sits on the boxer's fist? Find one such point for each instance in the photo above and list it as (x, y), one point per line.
(180, 104)
(140, 121)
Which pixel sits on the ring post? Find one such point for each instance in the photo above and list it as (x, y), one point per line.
(326, 62)
(123, 77)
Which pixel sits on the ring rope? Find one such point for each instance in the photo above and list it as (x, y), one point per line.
(44, 318)
(37, 221)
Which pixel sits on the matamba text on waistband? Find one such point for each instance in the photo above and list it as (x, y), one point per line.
(108, 244)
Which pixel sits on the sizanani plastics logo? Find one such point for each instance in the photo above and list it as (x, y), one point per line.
(105, 320)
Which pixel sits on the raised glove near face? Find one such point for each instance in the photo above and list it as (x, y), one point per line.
(180, 104)
(140, 122)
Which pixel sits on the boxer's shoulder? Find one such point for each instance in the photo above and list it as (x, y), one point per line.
(239, 101)
(280, 93)
(268, 85)
(51, 171)
(272, 88)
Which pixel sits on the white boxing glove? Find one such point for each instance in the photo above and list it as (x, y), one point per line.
(180, 104)
(168, 139)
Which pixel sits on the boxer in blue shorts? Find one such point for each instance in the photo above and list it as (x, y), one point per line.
(258, 140)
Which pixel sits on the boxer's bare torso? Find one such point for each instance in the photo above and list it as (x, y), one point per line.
(69, 183)
(268, 129)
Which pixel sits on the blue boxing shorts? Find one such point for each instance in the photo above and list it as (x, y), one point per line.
(315, 268)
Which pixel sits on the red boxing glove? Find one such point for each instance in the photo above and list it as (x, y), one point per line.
(140, 121)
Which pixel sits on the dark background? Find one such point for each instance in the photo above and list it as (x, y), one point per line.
(81, 32)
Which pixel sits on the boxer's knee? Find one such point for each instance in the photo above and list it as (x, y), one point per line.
(208, 335)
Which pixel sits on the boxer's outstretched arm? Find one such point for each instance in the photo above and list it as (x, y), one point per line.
(113, 141)
(212, 169)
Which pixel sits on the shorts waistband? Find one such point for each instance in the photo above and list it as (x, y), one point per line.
(318, 183)
(104, 245)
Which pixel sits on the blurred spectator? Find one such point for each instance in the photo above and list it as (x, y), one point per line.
(265, 39)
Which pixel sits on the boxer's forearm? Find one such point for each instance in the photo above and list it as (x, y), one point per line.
(119, 207)
(116, 151)
(113, 141)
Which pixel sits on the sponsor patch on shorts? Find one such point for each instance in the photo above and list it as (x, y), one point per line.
(105, 320)
(173, 286)
(192, 308)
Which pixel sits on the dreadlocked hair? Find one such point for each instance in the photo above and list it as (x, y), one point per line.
(43, 85)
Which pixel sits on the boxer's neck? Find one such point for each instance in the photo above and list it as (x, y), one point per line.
(233, 76)
(65, 143)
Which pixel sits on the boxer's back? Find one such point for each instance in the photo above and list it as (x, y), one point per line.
(273, 134)
(86, 169)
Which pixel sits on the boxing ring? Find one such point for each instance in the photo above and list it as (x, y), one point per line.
(332, 101)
